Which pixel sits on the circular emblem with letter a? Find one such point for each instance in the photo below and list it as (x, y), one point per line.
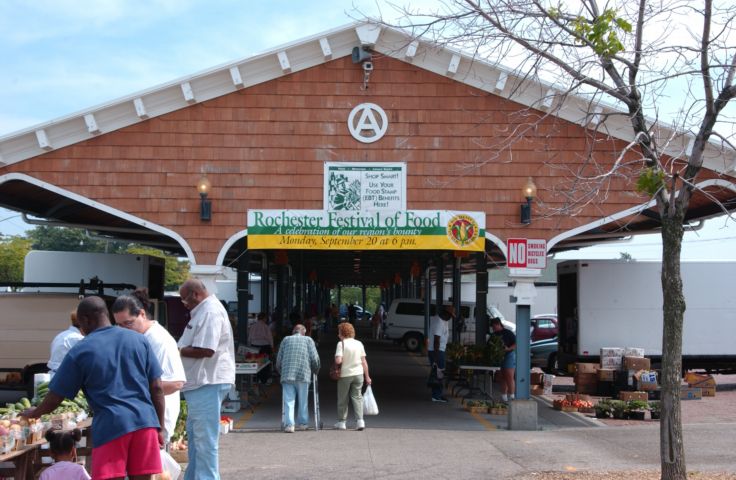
(367, 122)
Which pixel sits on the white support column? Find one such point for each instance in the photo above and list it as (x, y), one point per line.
(549, 98)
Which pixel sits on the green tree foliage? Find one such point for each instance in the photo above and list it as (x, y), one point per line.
(354, 295)
(176, 271)
(71, 240)
(13, 252)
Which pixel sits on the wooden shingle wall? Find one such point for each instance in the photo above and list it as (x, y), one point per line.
(264, 147)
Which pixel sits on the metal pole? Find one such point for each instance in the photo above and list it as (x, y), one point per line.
(427, 302)
(523, 356)
(481, 298)
(456, 300)
(242, 285)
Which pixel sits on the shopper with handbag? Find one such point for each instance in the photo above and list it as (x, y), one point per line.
(350, 357)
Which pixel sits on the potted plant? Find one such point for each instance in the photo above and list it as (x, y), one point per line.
(494, 351)
(618, 409)
(603, 409)
(637, 409)
(476, 406)
(655, 409)
(498, 409)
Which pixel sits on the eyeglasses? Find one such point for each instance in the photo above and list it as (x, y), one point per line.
(187, 300)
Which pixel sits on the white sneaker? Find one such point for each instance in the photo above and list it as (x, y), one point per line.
(289, 429)
(341, 426)
(512, 397)
(360, 425)
(504, 398)
(302, 428)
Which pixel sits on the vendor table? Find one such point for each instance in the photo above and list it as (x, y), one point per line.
(247, 382)
(470, 382)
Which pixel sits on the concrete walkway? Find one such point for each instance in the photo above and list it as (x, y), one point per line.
(415, 438)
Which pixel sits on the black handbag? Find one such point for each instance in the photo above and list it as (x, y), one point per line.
(434, 381)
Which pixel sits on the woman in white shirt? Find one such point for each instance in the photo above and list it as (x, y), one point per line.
(130, 312)
(350, 355)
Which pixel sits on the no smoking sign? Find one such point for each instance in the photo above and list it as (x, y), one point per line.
(526, 253)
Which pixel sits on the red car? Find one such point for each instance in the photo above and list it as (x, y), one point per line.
(544, 326)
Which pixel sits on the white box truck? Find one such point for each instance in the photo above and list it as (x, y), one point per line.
(615, 303)
(71, 267)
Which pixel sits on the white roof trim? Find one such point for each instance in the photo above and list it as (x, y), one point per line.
(629, 211)
(315, 50)
(105, 208)
(229, 243)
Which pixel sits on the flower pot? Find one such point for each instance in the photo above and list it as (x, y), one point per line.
(600, 414)
(637, 415)
(655, 415)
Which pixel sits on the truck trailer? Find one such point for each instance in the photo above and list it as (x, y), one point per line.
(617, 303)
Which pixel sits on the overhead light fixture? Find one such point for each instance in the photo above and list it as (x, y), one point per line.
(205, 205)
(529, 191)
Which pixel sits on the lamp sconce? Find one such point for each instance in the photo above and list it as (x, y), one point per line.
(205, 205)
(529, 191)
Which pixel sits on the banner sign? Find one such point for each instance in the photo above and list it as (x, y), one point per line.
(378, 230)
(364, 186)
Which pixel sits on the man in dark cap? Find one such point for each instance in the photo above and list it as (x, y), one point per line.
(121, 378)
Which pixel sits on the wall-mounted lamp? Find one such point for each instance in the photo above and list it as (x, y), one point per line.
(529, 191)
(205, 205)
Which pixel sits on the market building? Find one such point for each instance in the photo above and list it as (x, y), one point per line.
(360, 156)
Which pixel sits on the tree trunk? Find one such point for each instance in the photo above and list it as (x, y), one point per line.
(672, 450)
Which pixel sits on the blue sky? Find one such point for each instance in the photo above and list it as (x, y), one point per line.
(62, 56)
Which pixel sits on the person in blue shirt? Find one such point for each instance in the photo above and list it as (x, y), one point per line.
(119, 374)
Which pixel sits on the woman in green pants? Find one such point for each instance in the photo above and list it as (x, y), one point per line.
(350, 355)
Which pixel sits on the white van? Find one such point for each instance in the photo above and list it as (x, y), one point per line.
(405, 322)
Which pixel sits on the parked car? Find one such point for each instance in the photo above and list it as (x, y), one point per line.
(405, 322)
(544, 354)
(544, 326)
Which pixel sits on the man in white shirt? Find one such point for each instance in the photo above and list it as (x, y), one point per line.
(208, 354)
(62, 343)
(439, 332)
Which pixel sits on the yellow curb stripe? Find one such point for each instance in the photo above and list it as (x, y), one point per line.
(486, 424)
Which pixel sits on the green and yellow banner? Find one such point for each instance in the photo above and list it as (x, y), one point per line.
(359, 230)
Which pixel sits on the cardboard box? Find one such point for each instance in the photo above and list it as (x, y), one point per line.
(611, 362)
(646, 380)
(536, 390)
(633, 352)
(586, 367)
(637, 363)
(586, 378)
(708, 391)
(587, 389)
(691, 393)
(536, 378)
(605, 374)
(694, 379)
(626, 396)
(612, 352)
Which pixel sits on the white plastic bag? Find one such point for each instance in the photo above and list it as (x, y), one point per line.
(370, 407)
(170, 465)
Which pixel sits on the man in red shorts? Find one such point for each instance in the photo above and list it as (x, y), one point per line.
(121, 378)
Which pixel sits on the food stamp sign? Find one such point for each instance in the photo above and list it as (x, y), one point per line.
(526, 253)
(361, 230)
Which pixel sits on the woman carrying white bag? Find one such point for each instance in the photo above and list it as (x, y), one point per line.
(370, 407)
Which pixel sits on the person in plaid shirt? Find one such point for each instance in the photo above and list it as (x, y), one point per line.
(296, 362)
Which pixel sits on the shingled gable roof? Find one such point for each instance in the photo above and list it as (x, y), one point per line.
(319, 49)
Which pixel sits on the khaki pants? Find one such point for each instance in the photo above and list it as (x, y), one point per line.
(349, 388)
